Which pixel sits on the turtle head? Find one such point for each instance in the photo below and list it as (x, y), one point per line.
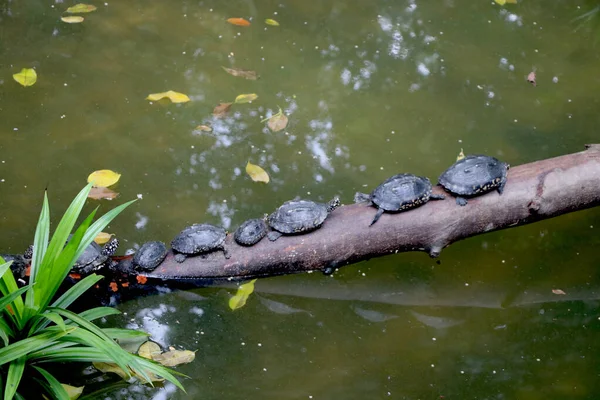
(333, 204)
(110, 248)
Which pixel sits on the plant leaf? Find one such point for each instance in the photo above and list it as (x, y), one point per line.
(461, 155)
(99, 312)
(13, 377)
(99, 193)
(175, 97)
(54, 385)
(238, 21)
(221, 109)
(76, 291)
(72, 19)
(245, 98)
(112, 368)
(27, 77)
(257, 173)
(149, 349)
(102, 238)
(26, 346)
(501, 2)
(103, 178)
(173, 358)
(271, 22)
(72, 391)
(242, 294)
(81, 8)
(244, 73)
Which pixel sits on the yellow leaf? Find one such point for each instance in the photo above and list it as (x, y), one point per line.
(149, 350)
(511, 1)
(501, 2)
(27, 77)
(173, 358)
(460, 156)
(271, 22)
(245, 98)
(257, 173)
(110, 367)
(103, 178)
(175, 97)
(204, 128)
(72, 391)
(73, 19)
(239, 300)
(81, 8)
(102, 238)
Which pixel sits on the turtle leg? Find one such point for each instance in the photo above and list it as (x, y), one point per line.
(180, 257)
(226, 253)
(501, 187)
(274, 235)
(376, 218)
(437, 197)
(461, 201)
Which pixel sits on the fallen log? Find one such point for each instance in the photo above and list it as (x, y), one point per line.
(534, 191)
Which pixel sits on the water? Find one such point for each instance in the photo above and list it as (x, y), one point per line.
(371, 89)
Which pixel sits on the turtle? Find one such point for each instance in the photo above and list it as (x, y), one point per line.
(149, 256)
(197, 239)
(95, 257)
(251, 232)
(299, 216)
(400, 192)
(474, 175)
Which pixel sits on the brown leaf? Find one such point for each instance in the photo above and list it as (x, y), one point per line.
(204, 128)
(173, 357)
(244, 73)
(558, 291)
(99, 193)
(277, 122)
(238, 21)
(531, 78)
(221, 109)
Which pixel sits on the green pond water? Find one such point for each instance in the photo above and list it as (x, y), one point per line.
(371, 88)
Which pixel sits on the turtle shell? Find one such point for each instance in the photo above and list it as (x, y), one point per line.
(199, 238)
(297, 216)
(91, 258)
(401, 192)
(149, 256)
(251, 232)
(474, 174)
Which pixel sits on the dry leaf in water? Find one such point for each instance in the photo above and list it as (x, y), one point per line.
(81, 8)
(100, 193)
(72, 391)
(238, 21)
(175, 97)
(271, 22)
(173, 358)
(110, 367)
(558, 291)
(102, 238)
(242, 294)
(531, 78)
(221, 109)
(72, 19)
(461, 155)
(149, 350)
(103, 178)
(204, 128)
(27, 77)
(277, 122)
(245, 98)
(244, 73)
(257, 173)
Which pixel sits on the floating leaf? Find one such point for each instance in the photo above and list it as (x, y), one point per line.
(72, 19)
(173, 358)
(531, 78)
(501, 2)
(149, 349)
(271, 22)
(102, 238)
(204, 128)
(81, 8)
(558, 291)
(221, 109)
(27, 77)
(72, 391)
(175, 97)
(238, 21)
(257, 173)
(460, 156)
(99, 193)
(112, 368)
(277, 122)
(244, 73)
(245, 98)
(245, 290)
(103, 178)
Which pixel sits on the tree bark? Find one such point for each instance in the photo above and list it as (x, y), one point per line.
(533, 192)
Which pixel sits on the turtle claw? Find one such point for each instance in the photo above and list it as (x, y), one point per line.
(376, 218)
(274, 235)
(461, 201)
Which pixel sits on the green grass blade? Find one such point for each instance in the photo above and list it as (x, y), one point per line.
(5, 332)
(8, 285)
(40, 240)
(71, 354)
(5, 266)
(76, 291)
(26, 346)
(157, 369)
(103, 221)
(6, 300)
(125, 334)
(98, 312)
(13, 377)
(57, 319)
(53, 385)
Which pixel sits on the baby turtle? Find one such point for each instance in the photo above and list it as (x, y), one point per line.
(474, 175)
(251, 232)
(95, 257)
(299, 216)
(399, 193)
(197, 239)
(149, 256)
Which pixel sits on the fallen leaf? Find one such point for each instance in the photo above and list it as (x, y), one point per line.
(238, 21)
(102, 238)
(558, 291)
(511, 1)
(149, 349)
(221, 109)
(141, 279)
(112, 368)
(27, 77)
(271, 22)
(245, 98)
(204, 128)
(501, 2)
(244, 73)
(242, 294)
(103, 178)
(460, 156)
(81, 8)
(73, 19)
(173, 358)
(257, 173)
(73, 391)
(531, 78)
(114, 287)
(277, 122)
(175, 97)
(99, 193)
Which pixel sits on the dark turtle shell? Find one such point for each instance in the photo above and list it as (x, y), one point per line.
(197, 239)
(149, 256)
(251, 232)
(399, 193)
(91, 259)
(298, 216)
(474, 175)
